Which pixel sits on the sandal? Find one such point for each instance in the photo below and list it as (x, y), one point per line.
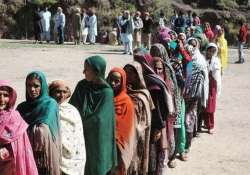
(172, 164)
(184, 157)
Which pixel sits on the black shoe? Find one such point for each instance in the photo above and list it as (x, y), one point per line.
(239, 62)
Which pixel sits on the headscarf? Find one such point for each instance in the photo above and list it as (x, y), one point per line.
(98, 63)
(95, 103)
(143, 104)
(13, 132)
(125, 120)
(57, 83)
(208, 32)
(44, 109)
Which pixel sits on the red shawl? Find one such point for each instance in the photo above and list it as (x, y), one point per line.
(125, 121)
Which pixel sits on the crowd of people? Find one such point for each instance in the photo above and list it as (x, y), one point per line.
(84, 24)
(137, 120)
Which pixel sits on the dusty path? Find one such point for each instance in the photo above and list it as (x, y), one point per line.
(224, 153)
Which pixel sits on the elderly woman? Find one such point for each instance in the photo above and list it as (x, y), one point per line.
(13, 137)
(73, 145)
(41, 113)
(93, 97)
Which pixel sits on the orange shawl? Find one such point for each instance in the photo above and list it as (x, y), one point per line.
(125, 121)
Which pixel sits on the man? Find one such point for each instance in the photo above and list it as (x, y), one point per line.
(147, 30)
(77, 23)
(92, 26)
(60, 24)
(46, 16)
(127, 27)
(242, 37)
(138, 25)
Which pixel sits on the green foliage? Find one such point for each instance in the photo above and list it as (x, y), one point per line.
(42, 2)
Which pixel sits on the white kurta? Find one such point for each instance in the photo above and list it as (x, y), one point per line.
(46, 16)
(92, 23)
(73, 144)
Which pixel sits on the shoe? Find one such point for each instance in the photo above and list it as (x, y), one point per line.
(239, 62)
(210, 131)
(183, 157)
(124, 53)
(172, 164)
(130, 53)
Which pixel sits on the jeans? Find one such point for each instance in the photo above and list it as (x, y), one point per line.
(60, 30)
(240, 50)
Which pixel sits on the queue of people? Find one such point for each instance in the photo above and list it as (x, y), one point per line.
(137, 120)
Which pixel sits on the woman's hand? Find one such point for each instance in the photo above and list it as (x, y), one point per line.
(4, 154)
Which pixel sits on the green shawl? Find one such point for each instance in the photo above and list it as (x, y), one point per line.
(44, 109)
(95, 104)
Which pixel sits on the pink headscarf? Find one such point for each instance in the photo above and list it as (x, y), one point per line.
(13, 133)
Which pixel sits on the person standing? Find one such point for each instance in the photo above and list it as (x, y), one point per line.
(196, 19)
(125, 120)
(73, 144)
(93, 97)
(38, 28)
(77, 24)
(147, 30)
(46, 16)
(222, 48)
(84, 27)
(127, 26)
(214, 67)
(242, 39)
(16, 155)
(138, 25)
(41, 113)
(60, 24)
(92, 26)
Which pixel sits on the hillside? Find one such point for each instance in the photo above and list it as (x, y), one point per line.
(16, 16)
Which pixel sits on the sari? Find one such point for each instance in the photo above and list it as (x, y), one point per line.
(42, 116)
(95, 103)
(14, 138)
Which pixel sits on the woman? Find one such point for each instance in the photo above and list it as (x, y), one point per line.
(125, 119)
(93, 98)
(176, 128)
(221, 43)
(41, 113)
(13, 137)
(208, 32)
(214, 85)
(143, 104)
(73, 144)
(195, 90)
(164, 107)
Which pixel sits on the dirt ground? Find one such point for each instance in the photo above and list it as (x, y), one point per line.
(224, 153)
